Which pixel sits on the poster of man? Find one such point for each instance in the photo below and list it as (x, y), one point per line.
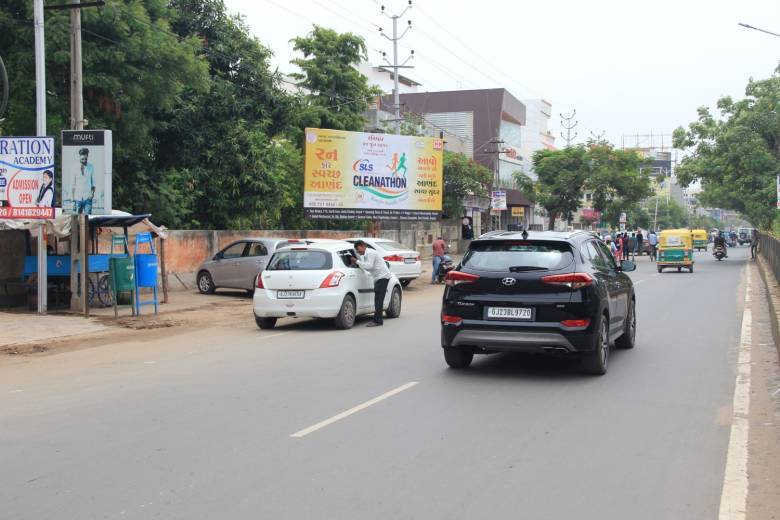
(86, 172)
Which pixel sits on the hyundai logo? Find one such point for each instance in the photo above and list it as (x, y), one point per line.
(508, 281)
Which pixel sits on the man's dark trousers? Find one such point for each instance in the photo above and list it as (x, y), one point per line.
(380, 289)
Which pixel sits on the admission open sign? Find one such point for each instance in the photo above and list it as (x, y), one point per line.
(27, 177)
(353, 175)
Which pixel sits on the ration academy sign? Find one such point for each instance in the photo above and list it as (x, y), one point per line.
(355, 175)
(27, 177)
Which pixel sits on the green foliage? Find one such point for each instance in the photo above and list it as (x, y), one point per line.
(737, 156)
(462, 177)
(671, 214)
(336, 94)
(564, 175)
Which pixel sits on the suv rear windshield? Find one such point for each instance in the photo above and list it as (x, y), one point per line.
(518, 256)
(301, 261)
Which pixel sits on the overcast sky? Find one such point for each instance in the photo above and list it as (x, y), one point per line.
(627, 67)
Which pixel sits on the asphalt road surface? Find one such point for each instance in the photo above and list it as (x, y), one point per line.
(308, 422)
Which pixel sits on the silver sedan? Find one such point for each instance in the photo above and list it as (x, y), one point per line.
(237, 265)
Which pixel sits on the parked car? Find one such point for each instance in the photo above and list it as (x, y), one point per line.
(545, 292)
(236, 266)
(316, 279)
(404, 262)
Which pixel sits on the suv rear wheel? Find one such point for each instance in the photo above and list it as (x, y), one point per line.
(597, 361)
(457, 358)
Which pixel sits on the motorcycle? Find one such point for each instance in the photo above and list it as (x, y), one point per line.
(445, 267)
(719, 252)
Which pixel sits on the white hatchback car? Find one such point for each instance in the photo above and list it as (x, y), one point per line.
(315, 279)
(403, 262)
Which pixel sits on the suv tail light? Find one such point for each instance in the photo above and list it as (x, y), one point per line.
(259, 283)
(576, 324)
(456, 277)
(452, 320)
(332, 280)
(394, 258)
(571, 280)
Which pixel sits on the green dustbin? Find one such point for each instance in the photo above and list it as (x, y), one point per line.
(122, 271)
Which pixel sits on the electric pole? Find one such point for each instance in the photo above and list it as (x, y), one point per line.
(40, 129)
(76, 81)
(598, 137)
(394, 65)
(566, 123)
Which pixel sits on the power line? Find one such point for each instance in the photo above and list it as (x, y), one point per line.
(566, 123)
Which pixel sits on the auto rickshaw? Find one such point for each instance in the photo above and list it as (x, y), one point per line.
(700, 239)
(675, 249)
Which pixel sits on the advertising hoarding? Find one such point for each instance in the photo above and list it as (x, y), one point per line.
(518, 211)
(353, 175)
(86, 172)
(27, 177)
(498, 200)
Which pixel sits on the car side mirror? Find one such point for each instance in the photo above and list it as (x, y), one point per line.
(627, 266)
(219, 256)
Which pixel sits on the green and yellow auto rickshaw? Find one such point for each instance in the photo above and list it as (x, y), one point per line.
(700, 239)
(675, 249)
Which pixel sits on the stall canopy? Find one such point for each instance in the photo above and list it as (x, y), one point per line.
(59, 226)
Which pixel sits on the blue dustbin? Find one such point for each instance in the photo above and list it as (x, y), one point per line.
(146, 270)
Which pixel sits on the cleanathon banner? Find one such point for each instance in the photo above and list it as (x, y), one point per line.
(27, 177)
(351, 175)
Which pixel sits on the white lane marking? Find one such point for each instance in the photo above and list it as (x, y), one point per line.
(733, 499)
(776, 392)
(347, 413)
(278, 334)
(638, 282)
(149, 362)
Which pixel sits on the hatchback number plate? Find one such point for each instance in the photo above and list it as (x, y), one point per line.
(509, 313)
(290, 294)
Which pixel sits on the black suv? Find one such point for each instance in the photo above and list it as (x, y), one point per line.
(538, 292)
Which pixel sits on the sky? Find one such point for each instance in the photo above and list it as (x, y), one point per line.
(627, 67)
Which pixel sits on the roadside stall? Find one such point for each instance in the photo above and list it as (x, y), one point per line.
(64, 272)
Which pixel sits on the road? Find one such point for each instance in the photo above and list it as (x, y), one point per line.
(202, 425)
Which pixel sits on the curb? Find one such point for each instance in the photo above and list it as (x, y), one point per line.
(773, 298)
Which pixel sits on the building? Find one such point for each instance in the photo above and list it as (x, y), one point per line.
(537, 135)
(490, 123)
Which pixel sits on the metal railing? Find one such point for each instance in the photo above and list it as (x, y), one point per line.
(769, 250)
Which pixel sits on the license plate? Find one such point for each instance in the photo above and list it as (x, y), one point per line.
(290, 294)
(409, 260)
(509, 313)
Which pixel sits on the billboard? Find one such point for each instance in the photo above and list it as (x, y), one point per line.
(86, 172)
(498, 200)
(27, 177)
(352, 175)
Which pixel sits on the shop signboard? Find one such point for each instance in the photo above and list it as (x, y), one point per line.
(498, 200)
(623, 218)
(354, 175)
(518, 211)
(86, 172)
(27, 177)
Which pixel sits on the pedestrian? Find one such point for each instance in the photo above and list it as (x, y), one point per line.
(652, 239)
(640, 242)
(617, 248)
(624, 244)
(371, 262)
(632, 245)
(439, 250)
(754, 243)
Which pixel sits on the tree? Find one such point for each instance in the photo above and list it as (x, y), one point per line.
(337, 95)
(616, 180)
(562, 176)
(462, 177)
(737, 156)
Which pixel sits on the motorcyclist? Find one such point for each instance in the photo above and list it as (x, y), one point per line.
(720, 240)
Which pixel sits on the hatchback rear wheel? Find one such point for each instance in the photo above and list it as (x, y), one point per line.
(265, 323)
(597, 361)
(346, 316)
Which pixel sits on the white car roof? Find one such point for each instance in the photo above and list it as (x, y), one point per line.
(324, 244)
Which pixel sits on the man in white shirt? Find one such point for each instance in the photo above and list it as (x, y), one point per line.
(373, 263)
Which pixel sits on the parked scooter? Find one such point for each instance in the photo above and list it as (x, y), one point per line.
(445, 267)
(719, 252)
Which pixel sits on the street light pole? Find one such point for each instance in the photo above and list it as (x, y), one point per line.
(40, 130)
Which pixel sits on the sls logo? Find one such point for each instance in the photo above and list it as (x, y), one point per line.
(362, 165)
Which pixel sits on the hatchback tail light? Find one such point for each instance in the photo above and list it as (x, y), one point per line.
(417, 258)
(394, 258)
(259, 283)
(332, 280)
(571, 280)
(456, 278)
